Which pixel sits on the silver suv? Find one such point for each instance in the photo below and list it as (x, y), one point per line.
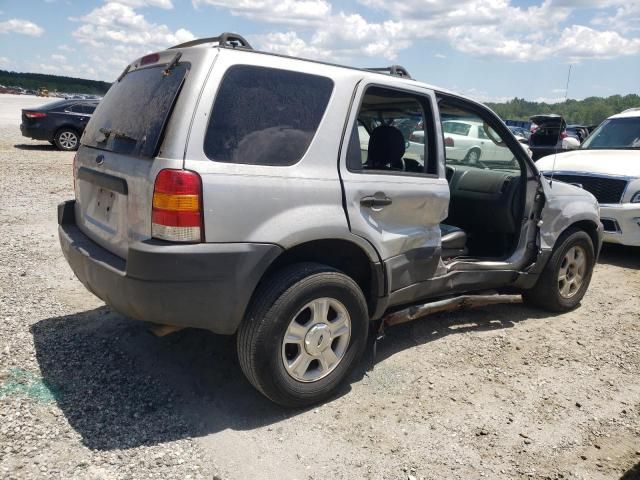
(281, 200)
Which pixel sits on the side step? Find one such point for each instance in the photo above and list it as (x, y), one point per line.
(416, 312)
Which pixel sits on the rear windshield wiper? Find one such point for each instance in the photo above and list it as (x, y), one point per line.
(108, 132)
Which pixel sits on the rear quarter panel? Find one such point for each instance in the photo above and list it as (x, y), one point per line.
(284, 205)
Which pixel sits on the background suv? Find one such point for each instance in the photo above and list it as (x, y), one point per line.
(608, 166)
(61, 123)
(223, 188)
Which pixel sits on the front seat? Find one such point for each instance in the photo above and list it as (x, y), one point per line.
(385, 150)
(454, 241)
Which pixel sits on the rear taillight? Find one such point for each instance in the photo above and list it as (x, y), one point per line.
(35, 114)
(448, 142)
(563, 135)
(177, 206)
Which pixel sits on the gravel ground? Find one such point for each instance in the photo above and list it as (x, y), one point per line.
(501, 392)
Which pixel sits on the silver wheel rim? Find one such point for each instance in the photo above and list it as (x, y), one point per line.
(572, 271)
(473, 156)
(316, 340)
(68, 140)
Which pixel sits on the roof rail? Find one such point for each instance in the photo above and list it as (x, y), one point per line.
(397, 70)
(634, 109)
(225, 40)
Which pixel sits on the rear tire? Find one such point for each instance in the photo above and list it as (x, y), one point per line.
(473, 156)
(305, 329)
(567, 275)
(67, 139)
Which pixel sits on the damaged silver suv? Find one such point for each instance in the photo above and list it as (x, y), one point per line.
(288, 202)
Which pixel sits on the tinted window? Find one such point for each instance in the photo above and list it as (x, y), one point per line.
(265, 116)
(616, 133)
(88, 109)
(134, 111)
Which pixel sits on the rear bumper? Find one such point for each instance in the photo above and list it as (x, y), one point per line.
(193, 285)
(35, 133)
(622, 223)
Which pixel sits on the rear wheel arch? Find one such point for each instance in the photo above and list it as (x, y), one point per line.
(343, 255)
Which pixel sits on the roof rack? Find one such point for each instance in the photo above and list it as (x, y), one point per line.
(634, 109)
(225, 40)
(397, 70)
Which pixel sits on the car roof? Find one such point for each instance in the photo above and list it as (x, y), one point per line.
(395, 71)
(629, 113)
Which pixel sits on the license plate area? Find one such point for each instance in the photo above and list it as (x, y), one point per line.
(103, 210)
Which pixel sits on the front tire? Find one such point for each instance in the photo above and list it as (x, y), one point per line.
(567, 275)
(302, 334)
(67, 139)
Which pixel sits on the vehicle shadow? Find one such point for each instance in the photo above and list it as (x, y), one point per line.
(436, 326)
(121, 387)
(620, 256)
(632, 474)
(34, 146)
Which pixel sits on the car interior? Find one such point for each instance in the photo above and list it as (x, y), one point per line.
(486, 199)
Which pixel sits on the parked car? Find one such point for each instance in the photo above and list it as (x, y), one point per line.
(522, 134)
(608, 166)
(237, 199)
(61, 122)
(468, 142)
(579, 132)
(549, 135)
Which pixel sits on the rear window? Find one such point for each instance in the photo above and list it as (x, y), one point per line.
(265, 116)
(131, 117)
(456, 128)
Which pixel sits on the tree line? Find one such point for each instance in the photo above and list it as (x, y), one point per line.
(590, 111)
(34, 81)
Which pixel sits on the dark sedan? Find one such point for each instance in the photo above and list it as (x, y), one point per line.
(60, 123)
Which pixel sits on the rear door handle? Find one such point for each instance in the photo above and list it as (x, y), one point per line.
(378, 199)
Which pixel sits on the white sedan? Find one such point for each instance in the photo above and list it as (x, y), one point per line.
(607, 165)
(466, 141)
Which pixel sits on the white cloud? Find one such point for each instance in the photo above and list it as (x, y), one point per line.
(58, 58)
(115, 22)
(579, 42)
(17, 25)
(287, 12)
(66, 48)
(165, 4)
(117, 33)
(4, 61)
(484, 29)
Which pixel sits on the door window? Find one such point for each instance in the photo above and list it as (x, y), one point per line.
(392, 134)
(470, 141)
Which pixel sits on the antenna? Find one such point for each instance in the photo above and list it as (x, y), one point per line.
(555, 154)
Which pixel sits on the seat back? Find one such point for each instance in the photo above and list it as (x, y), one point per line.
(386, 148)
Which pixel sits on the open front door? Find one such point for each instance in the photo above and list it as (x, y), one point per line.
(393, 178)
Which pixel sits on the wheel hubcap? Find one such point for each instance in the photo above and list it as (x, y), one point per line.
(572, 271)
(316, 340)
(68, 140)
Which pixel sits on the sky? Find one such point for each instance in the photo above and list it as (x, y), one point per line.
(490, 50)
